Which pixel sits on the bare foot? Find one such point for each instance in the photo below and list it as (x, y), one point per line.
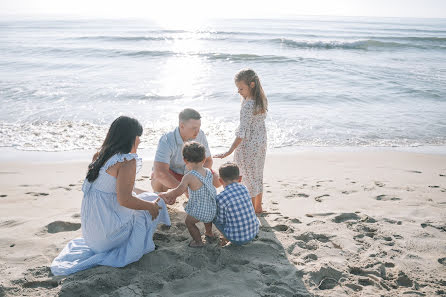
(259, 210)
(195, 244)
(210, 238)
(223, 242)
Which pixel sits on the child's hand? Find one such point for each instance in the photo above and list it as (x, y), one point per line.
(166, 197)
(221, 156)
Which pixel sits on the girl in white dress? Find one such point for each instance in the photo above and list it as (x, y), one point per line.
(251, 140)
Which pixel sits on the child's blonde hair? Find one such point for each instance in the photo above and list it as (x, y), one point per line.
(260, 101)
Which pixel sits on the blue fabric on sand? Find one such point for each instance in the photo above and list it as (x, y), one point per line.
(113, 235)
(201, 204)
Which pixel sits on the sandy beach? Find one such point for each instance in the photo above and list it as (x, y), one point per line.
(336, 224)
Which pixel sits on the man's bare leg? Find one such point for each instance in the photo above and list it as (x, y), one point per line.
(157, 186)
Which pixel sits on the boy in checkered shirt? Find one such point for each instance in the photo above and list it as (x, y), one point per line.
(235, 218)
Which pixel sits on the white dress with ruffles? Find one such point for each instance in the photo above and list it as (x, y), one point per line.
(113, 235)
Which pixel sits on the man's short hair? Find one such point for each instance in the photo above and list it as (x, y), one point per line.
(194, 152)
(229, 171)
(189, 114)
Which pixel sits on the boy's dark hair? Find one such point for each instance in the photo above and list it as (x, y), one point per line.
(229, 171)
(189, 114)
(194, 152)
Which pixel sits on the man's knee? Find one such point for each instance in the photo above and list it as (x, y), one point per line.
(157, 186)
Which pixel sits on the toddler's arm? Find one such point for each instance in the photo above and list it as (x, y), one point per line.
(170, 196)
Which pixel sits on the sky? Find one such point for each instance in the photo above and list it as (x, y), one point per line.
(190, 9)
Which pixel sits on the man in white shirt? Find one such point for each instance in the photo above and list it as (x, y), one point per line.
(168, 166)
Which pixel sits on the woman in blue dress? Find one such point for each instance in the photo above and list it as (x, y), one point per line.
(117, 224)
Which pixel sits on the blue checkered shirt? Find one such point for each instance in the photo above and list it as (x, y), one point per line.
(236, 213)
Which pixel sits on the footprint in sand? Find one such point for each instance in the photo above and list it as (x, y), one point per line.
(442, 261)
(296, 221)
(326, 278)
(302, 195)
(10, 223)
(311, 215)
(60, 226)
(379, 184)
(37, 194)
(386, 198)
(390, 221)
(319, 198)
(364, 231)
(343, 217)
(433, 225)
(309, 241)
(161, 237)
(322, 181)
(61, 187)
(310, 257)
(403, 280)
(316, 222)
(181, 226)
(39, 277)
(46, 283)
(282, 228)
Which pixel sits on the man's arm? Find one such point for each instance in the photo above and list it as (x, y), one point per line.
(161, 173)
(208, 163)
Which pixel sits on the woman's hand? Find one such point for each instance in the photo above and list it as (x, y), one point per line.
(221, 156)
(154, 208)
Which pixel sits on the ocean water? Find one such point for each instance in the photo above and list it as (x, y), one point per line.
(330, 82)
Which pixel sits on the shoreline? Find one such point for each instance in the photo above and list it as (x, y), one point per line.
(8, 154)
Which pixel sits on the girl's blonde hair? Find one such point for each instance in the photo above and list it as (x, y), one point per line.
(260, 101)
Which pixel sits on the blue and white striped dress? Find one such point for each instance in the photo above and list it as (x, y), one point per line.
(201, 204)
(113, 235)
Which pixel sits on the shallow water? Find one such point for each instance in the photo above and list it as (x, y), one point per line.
(331, 82)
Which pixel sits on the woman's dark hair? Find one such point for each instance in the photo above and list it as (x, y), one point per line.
(120, 139)
(194, 152)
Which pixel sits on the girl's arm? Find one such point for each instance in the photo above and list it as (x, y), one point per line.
(125, 182)
(246, 115)
(231, 149)
(171, 195)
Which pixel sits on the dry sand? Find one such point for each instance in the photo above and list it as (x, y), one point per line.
(337, 224)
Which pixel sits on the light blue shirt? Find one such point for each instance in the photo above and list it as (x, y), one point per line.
(170, 149)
